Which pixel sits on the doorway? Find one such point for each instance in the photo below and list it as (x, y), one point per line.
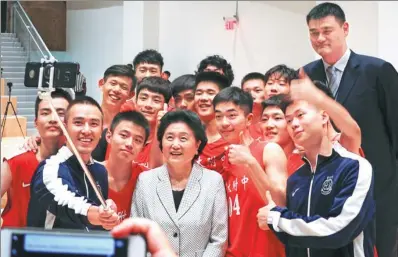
(3, 16)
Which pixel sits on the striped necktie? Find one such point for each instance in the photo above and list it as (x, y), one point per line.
(333, 81)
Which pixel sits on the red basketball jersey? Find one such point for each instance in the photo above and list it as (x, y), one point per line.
(143, 157)
(22, 167)
(246, 239)
(123, 198)
(213, 156)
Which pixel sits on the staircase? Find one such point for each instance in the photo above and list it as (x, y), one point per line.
(13, 61)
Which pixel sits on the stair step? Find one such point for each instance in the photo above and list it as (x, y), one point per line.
(24, 111)
(16, 80)
(11, 48)
(23, 91)
(11, 53)
(14, 59)
(20, 86)
(11, 43)
(26, 98)
(13, 69)
(23, 104)
(13, 74)
(13, 64)
(8, 39)
(29, 117)
(19, 58)
(7, 34)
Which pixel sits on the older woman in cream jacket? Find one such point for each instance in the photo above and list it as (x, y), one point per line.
(185, 199)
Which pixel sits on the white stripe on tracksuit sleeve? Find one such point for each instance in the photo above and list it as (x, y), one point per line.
(349, 215)
(55, 190)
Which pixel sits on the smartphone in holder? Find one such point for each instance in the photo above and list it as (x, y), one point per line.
(65, 74)
(68, 243)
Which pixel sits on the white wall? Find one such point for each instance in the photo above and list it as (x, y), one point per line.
(133, 25)
(363, 20)
(268, 34)
(94, 40)
(388, 32)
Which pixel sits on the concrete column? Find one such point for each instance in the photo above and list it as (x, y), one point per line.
(140, 27)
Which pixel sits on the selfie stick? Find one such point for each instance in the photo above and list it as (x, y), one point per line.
(45, 94)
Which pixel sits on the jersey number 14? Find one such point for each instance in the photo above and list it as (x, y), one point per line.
(233, 205)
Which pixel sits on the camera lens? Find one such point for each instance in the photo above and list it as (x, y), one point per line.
(32, 74)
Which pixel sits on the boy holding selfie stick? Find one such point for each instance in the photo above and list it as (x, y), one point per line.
(69, 188)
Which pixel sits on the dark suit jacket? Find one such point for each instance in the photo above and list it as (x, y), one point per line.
(369, 91)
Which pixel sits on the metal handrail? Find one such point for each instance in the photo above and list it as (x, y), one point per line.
(31, 28)
(30, 33)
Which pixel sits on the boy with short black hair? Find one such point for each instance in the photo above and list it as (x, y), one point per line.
(216, 63)
(127, 136)
(251, 168)
(17, 171)
(318, 94)
(277, 80)
(207, 85)
(166, 75)
(254, 83)
(330, 207)
(61, 196)
(183, 91)
(148, 63)
(117, 86)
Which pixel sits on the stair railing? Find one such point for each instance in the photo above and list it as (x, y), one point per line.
(30, 39)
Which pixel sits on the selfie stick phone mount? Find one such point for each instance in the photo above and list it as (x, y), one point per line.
(45, 94)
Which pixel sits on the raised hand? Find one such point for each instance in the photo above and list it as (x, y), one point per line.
(240, 154)
(263, 213)
(32, 144)
(158, 245)
(304, 89)
(161, 113)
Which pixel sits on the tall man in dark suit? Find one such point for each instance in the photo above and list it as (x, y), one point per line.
(368, 88)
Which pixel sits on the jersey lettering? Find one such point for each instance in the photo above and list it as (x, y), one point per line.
(234, 205)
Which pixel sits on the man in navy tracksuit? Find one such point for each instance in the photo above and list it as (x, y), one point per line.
(330, 207)
(61, 194)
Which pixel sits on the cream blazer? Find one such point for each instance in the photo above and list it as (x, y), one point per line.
(200, 226)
